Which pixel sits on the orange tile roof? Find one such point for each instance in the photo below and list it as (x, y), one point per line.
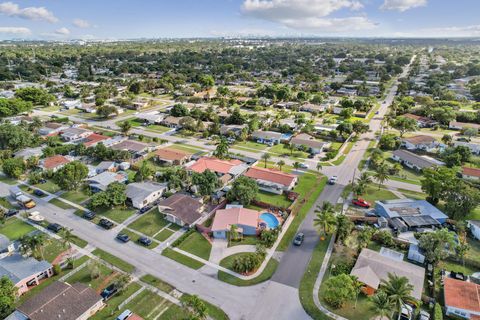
(94, 138)
(271, 175)
(55, 161)
(171, 154)
(473, 172)
(214, 164)
(225, 218)
(462, 294)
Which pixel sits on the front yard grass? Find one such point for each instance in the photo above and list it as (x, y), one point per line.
(5, 203)
(266, 274)
(59, 203)
(75, 196)
(157, 128)
(48, 186)
(187, 148)
(111, 309)
(282, 149)
(118, 214)
(372, 194)
(157, 283)
(212, 310)
(278, 200)
(113, 260)
(30, 190)
(164, 235)
(83, 276)
(53, 249)
(196, 244)
(150, 223)
(246, 240)
(147, 305)
(250, 145)
(14, 228)
(180, 258)
(134, 238)
(8, 180)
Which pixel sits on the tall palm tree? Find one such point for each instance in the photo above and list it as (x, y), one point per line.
(398, 290)
(382, 306)
(381, 174)
(280, 164)
(319, 166)
(325, 218)
(362, 183)
(265, 158)
(296, 165)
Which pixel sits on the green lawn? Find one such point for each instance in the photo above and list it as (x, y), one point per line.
(246, 240)
(227, 262)
(8, 180)
(250, 145)
(186, 147)
(134, 238)
(111, 309)
(48, 186)
(5, 203)
(266, 274)
(157, 128)
(14, 228)
(308, 281)
(164, 235)
(147, 305)
(282, 149)
(278, 200)
(77, 196)
(52, 249)
(157, 283)
(59, 203)
(135, 122)
(149, 223)
(174, 313)
(474, 215)
(213, 311)
(372, 194)
(83, 276)
(196, 244)
(180, 258)
(118, 214)
(117, 262)
(30, 190)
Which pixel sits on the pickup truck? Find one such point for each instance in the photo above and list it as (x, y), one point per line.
(22, 199)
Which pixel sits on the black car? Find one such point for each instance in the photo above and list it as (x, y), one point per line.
(145, 241)
(38, 193)
(55, 227)
(123, 237)
(89, 215)
(144, 209)
(109, 291)
(42, 181)
(106, 224)
(298, 239)
(11, 212)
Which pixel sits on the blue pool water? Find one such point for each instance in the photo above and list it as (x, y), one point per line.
(271, 221)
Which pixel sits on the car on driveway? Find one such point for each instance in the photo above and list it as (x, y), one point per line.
(89, 215)
(109, 291)
(144, 209)
(359, 202)
(105, 223)
(332, 180)
(11, 212)
(145, 241)
(123, 237)
(38, 193)
(406, 313)
(55, 227)
(298, 239)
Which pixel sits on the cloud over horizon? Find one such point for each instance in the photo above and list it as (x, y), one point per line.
(30, 13)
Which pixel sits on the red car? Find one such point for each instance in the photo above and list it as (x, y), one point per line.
(361, 203)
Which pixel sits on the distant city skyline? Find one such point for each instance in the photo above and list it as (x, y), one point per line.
(122, 19)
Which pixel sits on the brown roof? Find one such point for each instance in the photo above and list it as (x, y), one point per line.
(53, 125)
(60, 300)
(462, 294)
(473, 172)
(172, 120)
(418, 118)
(171, 154)
(182, 206)
(271, 175)
(55, 161)
(307, 140)
(130, 145)
(420, 139)
(94, 138)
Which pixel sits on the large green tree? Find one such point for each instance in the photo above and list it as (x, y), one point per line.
(404, 125)
(71, 176)
(8, 294)
(338, 290)
(207, 182)
(244, 190)
(14, 167)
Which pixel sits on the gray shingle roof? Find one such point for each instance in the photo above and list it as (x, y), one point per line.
(17, 268)
(143, 189)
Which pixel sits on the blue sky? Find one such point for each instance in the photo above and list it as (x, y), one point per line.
(122, 19)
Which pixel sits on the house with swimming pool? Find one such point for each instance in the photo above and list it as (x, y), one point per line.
(272, 180)
(246, 221)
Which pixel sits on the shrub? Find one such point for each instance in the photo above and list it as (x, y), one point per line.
(385, 238)
(268, 237)
(339, 289)
(56, 269)
(246, 263)
(341, 267)
(438, 313)
(182, 238)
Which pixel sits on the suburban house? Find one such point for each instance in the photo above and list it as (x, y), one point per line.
(470, 173)
(151, 117)
(372, 267)
(409, 214)
(137, 105)
(24, 272)
(419, 142)
(93, 139)
(413, 161)
(172, 156)
(54, 162)
(142, 194)
(455, 125)
(106, 166)
(474, 226)
(101, 181)
(313, 145)
(245, 221)
(137, 149)
(181, 209)
(75, 134)
(235, 129)
(267, 137)
(51, 129)
(462, 298)
(310, 107)
(225, 169)
(29, 152)
(474, 147)
(172, 122)
(61, 300)
(422, 122)
(272, 180)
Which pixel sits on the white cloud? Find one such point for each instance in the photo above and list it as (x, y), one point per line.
(15, 30)
(31, 13)
(402, 5)
(80, 23)
(310, 15)
(62, 31)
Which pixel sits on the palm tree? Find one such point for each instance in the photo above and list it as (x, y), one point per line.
(125, 127)
(67, 238)
(280, 164)
(319, 166)
(381, 305)
(296, 165)
(362, 183)
(381, 174)
(344, 227)
(291, 147)
(325, 218)
(265, 158)
(397, 289)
